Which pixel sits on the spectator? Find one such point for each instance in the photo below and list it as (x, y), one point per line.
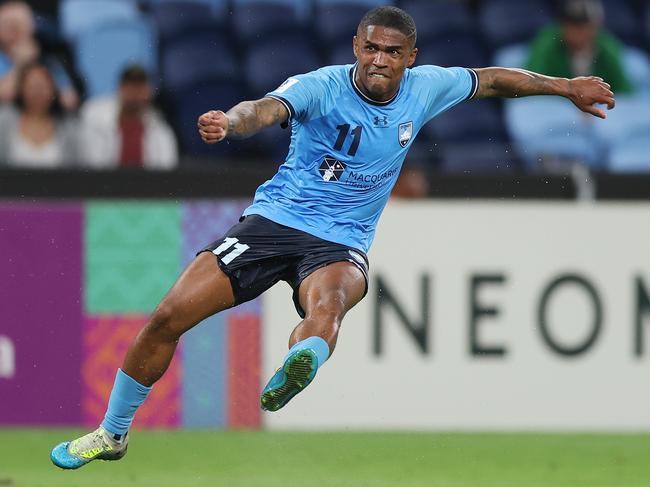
(547, 132)
(33, 133)
(18, 47)
(578, 46)
(412, 183)
(125, 130)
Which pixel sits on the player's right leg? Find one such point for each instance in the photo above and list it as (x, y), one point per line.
(201, 291)
(326, 295)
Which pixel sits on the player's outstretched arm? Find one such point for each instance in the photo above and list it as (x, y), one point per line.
(242, 120)
(584, 92)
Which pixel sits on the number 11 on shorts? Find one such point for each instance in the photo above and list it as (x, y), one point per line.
(236, 252)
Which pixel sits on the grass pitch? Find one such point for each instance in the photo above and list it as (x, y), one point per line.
(269, 459)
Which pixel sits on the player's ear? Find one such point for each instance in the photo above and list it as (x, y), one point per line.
(413, 54)
(354, 47)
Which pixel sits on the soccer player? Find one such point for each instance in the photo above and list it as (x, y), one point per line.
(313, 222)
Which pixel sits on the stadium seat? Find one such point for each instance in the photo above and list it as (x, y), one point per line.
(552, 126)
(254, 22)
(646, 27)
(301, 8)
(478, 120)
(637, 66)
(341, 53)
(367, 4)
(512, 56)
(505, 22)
(79, 16)
(478, 157)
(439, 19)
(272, 144)
(102, 53)
(189, 103)
(630, 155)
(184, 63)
(337, 22)
(626, 120)
(218, 8)
(269, 64)
(173, 19)
(621, 20)
(456, 50)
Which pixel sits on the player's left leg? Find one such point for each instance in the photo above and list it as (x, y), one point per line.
(326, 295)
(202, 290)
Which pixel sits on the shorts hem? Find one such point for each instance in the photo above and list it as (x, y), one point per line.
(295, 296)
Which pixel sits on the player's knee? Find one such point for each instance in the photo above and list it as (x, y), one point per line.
(162, 322)
(329, 309)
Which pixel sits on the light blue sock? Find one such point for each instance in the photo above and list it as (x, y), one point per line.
(317, 344)
(126, 397)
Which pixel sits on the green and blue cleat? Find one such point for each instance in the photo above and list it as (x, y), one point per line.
(98, 445)
(297, 372)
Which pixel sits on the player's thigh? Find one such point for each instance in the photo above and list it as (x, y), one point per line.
(333, 289)
(201, 291)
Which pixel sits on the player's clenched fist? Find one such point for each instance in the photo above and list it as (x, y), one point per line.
(213, 126)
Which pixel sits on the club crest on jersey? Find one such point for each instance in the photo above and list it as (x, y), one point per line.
(331, 169)
(404, 133)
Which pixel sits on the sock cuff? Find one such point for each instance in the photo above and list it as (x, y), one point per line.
(315, 343)
(122, 376)
(126, 397)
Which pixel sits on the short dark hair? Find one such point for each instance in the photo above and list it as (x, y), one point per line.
(134, 73)
(392, 17)
(19, 101)
(581, 11)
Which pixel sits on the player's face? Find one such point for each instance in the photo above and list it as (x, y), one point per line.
(383, 54)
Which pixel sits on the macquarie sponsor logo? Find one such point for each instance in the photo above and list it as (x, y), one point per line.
(368, 181)
(333, 170)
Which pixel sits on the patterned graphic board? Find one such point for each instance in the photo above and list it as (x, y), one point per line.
(105, 341)
(132, 255)
(40, 313)
(84, 279)
(229, 342)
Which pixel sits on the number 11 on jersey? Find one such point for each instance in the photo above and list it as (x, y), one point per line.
(236, 252)
(343, 133)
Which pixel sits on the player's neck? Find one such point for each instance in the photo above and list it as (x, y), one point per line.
(361, 89)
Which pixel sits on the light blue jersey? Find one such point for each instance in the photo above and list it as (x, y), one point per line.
(347, 150)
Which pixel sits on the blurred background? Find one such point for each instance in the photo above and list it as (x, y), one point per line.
(510, 281)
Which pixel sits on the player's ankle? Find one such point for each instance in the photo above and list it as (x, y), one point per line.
(315, 343)
(114, 438)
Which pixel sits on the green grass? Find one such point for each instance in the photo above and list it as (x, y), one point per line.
(264, 459)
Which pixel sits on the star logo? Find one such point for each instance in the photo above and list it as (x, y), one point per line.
(331, 169)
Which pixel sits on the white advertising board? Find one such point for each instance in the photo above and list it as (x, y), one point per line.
(488, 316)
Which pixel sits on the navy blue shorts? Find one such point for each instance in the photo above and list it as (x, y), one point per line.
(257, 253)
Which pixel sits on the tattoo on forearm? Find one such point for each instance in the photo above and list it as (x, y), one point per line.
(514, 83)
(249, 117)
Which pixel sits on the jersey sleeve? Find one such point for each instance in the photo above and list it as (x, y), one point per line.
(302, 95)
(443, 88)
